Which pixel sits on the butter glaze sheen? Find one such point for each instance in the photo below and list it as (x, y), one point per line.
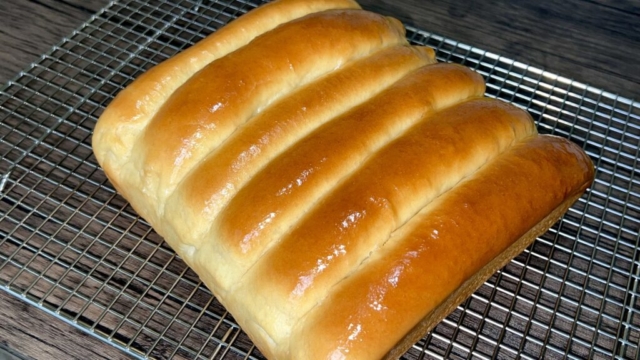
(337, 190)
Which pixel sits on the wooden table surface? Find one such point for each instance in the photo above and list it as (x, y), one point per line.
(592, 41)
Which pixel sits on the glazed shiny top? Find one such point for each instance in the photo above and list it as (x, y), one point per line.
(331, 184)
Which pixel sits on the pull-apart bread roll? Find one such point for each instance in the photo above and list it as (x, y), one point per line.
(335, 188)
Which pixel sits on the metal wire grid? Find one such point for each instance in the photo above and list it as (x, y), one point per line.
(70, 245)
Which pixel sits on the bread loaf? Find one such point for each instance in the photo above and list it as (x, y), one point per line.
(337, 190)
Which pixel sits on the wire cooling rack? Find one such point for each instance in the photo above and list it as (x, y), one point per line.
(70, 245)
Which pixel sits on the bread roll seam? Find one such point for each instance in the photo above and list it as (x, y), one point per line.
(270, 103)
(466, 177)
(344, 177)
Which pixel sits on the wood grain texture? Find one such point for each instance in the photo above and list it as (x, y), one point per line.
(33, 334)
(29, 28)
(593, 42)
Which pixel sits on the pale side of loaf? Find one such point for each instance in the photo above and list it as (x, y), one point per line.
(335, 188)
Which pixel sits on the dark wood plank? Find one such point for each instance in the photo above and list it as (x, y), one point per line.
(592, 42)
(626, 6)
(31, 27)
(31, 332)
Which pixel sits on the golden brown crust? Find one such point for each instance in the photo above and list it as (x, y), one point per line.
(285, 158)
(294, 181)
(235, 88)
(207, 189)
(422, 263)
(356, 218)
(141, 99)
(279, 194)
(128, 114)
(471, 285)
